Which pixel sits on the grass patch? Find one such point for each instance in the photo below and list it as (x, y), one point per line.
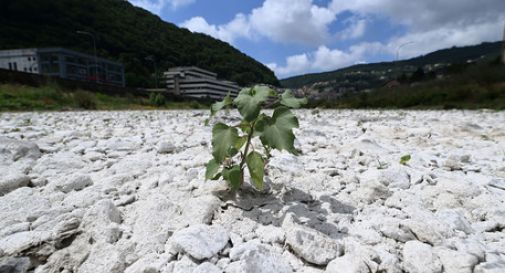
(15, 97)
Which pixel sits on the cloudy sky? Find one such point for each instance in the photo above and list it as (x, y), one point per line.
(301, 36)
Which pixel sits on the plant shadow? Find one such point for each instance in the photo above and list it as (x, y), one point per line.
(271, 208)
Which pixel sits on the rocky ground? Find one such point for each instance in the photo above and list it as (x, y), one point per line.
(125, 192)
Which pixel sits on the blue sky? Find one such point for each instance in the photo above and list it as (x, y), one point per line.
(302, 36)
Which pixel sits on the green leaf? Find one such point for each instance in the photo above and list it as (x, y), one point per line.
(224, 139)
(240, 142)
(405, 159)
(277, 132)
(256, 166)
(227, 101)
(234, 176)
(289, 100)
(245, 127)
(249, 101)
(212, 172)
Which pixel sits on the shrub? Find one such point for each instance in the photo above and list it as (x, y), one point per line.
(85, 100)
(232, 147)
(157, 99)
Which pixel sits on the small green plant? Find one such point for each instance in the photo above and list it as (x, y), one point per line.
(404, 160)
(157, 99)
(232, 146)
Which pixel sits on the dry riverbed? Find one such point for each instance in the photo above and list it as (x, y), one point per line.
(125, 192)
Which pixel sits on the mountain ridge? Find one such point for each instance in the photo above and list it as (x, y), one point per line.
(447, 55)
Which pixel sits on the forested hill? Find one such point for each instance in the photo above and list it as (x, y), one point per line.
(126, 34)
(452, 55)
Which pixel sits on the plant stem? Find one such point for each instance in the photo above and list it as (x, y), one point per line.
(246, 150)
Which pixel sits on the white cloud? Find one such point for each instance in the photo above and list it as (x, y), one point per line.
(324, 59)
(285, 21)
(156, 6)
(288, 21)
(355, 30)
(426, 14)
(238, 27)
(434, 24)
(427, 41)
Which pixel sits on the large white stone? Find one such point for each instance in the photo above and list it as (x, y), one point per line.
(418, 257)
(74, 183)
(15, 265)
(256, 257)
(104, 258)
(18, 149)
(311, 245)
(455, 261)
(350, 263)
(200, 241)
(12, 181)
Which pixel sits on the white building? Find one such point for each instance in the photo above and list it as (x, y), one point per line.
(63, 63)
(198, 83)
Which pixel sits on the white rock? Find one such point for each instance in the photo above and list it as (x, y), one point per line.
(350, 263)
(101, 220)
(256, 257)
(419, 258)
(455, 219)
(152, 221)
(423, 231)
(497, 183)
(312, 245)
(69, 258)
(370, 190)
(455, 261)
(104, 258)
(495, 262)
(166, 148)
(150, 263)
(207, 268)
(200, 241)
(392, 178)
(74, 183)
(12, 181)
(185, 265)
(18, 149)
(270, 234)
(15, 265)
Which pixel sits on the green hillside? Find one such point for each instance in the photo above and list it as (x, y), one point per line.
(126, 34)
(390, 70)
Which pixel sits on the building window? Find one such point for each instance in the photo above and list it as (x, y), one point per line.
(10, 66)
(24, 69)
(15, 66)
(29, 59)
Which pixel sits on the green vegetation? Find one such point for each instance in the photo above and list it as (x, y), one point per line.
(126, 34)
(157, 99)
(232, 146)
(365, 79)
(465, 87)
(404, 160)
(15, 97)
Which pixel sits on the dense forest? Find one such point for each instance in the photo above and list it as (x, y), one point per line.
(124, 33)
(454, 55)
